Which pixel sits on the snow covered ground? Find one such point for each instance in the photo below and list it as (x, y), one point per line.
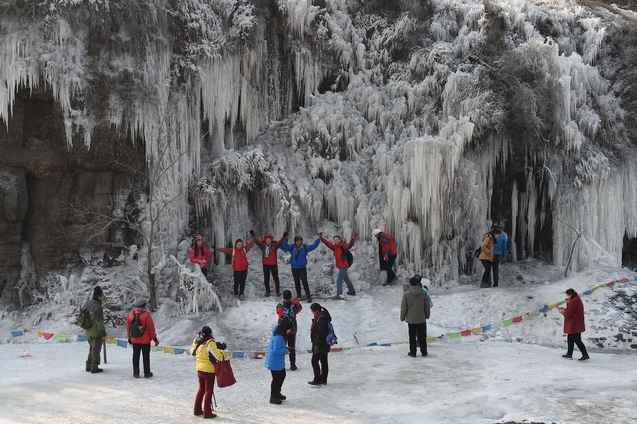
(509, 373)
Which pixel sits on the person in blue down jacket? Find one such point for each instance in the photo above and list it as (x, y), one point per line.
(275, 359)
(499, 253)
(298, 262)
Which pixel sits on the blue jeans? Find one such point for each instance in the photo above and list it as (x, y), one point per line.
(342, 275)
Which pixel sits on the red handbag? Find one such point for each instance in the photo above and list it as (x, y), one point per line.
(225, 376)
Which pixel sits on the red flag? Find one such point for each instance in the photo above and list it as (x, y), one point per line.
(517, 319)
(465, 333)
(47, 336)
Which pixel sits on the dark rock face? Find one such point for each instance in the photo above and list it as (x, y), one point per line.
(40, 180)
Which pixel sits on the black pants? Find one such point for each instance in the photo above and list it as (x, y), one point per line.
(204, 271)
(274, 269)
(320, 371)
(292, 348)
(389, 267)
(300, 274)
(239, 281)
(418, 337)
(575, 339)
(486, 275)
(144, 349)
(278, 377)
(94, 351)
(496, 269)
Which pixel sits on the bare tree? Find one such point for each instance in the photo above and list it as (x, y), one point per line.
(152, 186)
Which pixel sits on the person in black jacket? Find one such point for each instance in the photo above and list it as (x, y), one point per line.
(320, 348)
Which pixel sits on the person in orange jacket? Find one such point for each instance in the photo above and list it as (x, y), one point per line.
(239, 265)
(141, 343)
(338, 248)
(269, 260)
(200, 254)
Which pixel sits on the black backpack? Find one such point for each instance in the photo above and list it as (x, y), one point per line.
(348, 256)
(84, 319)
(136, 327)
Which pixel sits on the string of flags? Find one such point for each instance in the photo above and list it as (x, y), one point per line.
(63, 337)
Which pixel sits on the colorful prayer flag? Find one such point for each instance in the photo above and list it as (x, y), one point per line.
(179, 351)
(17, 333)
(238, 354)
(60, 337)
(517, 319)
(507, 322)
(454, 335)
(476, 330)
(465, 333)
(170, 350)
(122, 343)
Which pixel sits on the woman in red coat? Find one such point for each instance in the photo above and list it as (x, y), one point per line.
(200, 254)
(239, 265)
(574, 324)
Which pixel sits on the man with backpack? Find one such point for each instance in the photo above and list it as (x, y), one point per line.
(386, 254)
(97, 332)
(288, 309)
(341, 251)
(141, 330)
(298, 262)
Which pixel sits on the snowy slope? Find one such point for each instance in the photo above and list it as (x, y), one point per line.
(508, 373)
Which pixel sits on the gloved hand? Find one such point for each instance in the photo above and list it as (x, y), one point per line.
(252, 233)
(354, 236)
(221, 345)
(320, 234)
(285, 234)
(130, 342)
(156, 341)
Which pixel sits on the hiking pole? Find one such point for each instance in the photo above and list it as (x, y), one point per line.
(214, 398)
(104, 348)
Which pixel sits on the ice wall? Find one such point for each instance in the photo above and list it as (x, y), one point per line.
(394, 116)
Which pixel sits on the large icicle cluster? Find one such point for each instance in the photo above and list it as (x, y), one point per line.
(417, 118)
(414, 129)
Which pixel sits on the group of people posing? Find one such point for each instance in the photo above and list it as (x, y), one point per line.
(202, 255)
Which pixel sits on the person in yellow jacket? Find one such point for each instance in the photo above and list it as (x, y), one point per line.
(486, 257)
(208, 352)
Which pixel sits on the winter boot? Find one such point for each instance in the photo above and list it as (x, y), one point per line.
(275, 400)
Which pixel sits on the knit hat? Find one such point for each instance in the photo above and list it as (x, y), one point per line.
(140, 303)
(376, 232)
(414, 281)
(206, 331)
(270, 236)
(97, 292)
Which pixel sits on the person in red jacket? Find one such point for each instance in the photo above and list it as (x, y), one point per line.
(269, 260)
(386, 254)
(288, 310)
(239, 265)
(341, 263)
(141, 343)
(574, 324)
(200, 254)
